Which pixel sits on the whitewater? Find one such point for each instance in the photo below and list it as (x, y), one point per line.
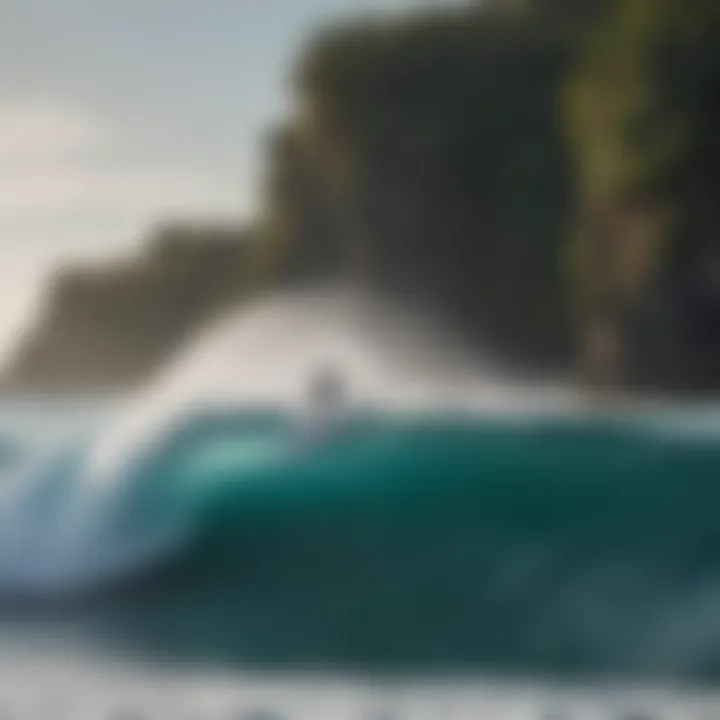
(466, 525)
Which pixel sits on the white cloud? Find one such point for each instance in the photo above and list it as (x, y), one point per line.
(59, 160)
(74, 190)
(69, 191)
(38, 128)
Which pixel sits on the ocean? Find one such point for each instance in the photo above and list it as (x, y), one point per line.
(420, 564)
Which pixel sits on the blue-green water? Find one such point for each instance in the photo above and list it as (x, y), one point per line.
(544, 546)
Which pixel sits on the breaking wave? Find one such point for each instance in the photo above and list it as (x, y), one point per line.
(426, 535)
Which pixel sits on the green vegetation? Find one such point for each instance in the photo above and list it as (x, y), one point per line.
(642, 109)
(108, 327)
(545, 172)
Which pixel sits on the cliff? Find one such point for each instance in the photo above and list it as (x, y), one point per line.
(543, 172)
(642, 110)
(426, 158)
(109, 327)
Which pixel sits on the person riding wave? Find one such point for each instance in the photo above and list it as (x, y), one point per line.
(326, 403)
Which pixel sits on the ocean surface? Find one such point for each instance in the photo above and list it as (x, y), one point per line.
(412, 561)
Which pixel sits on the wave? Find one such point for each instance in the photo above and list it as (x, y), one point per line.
(458, 520)
(543, 543)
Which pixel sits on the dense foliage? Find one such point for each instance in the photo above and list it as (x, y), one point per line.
(545, 172)
(642, 110)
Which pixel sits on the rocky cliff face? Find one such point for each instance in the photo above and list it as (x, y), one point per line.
(642, 106)
(547, 179)
(108, 328)
(433, 166)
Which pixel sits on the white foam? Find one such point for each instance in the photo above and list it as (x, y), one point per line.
(77, 686)
(392, 356)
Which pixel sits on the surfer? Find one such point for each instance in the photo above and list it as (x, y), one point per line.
(326, 391)
(326, 404)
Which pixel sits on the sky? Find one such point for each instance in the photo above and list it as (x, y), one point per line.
(117, 114)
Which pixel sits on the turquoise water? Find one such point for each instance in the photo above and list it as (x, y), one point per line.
(543, 546)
